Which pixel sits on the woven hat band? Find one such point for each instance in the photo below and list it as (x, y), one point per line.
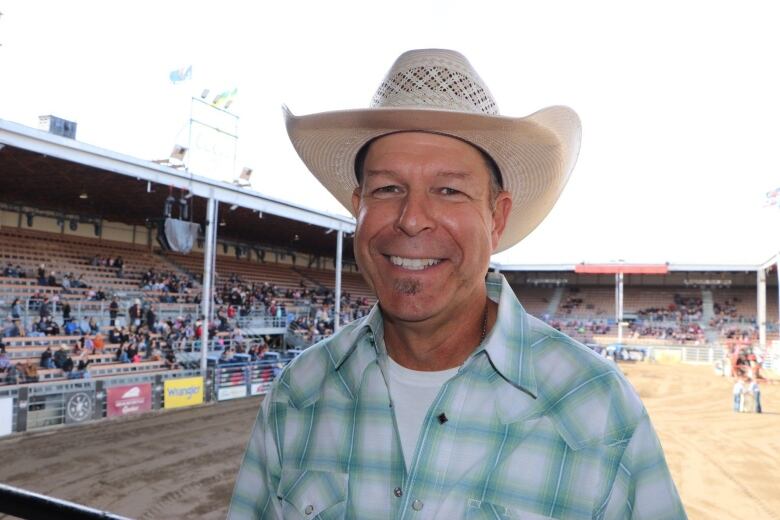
(442, 80)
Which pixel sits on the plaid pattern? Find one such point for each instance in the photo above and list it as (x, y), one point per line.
(538, 427)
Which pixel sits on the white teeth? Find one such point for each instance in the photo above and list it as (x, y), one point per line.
(414, 264)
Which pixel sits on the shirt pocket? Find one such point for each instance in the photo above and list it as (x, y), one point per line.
(481, 510)
(308, 494)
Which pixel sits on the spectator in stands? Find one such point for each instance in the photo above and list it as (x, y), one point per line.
(135, 314)
(66, 313)
(42, 275)
(4, 361)
(71, 328)
(50, 327)
(51, 281)
(29, 372)
(113, 311)
(12, 375)
(66, 283)
(46, 358)
(80, 283)
(81, 369)
(67, 367)
(16, 316)
(84, 327)
(121, 354)
(170, 359)
(60, 356)
(132, 351)
(94, 328)
(150, 318)
(44, 310)
(11, 329)
(99, 343)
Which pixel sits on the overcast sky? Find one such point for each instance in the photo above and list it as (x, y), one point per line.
(680, 101)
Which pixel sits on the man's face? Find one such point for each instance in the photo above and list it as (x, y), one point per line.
(425, 227)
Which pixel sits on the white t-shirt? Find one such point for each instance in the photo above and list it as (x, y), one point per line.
(413, 393)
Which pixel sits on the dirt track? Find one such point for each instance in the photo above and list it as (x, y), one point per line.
(176, 464)
(182, 463)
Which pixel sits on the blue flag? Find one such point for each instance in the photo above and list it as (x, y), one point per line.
(182, 74)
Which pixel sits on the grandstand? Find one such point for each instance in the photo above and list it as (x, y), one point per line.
(69, 211)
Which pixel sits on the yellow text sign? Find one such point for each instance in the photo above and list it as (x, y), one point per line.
(187, 391)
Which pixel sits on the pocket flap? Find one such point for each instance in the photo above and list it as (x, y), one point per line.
(312, 492)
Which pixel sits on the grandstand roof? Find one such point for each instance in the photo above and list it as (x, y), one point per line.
(46, 171)
(612, 268)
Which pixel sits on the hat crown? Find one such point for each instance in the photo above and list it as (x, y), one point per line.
(436, 79)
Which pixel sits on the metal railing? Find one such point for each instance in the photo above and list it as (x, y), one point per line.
(33, 506)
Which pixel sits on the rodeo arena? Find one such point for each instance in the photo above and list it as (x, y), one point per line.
(146, 310)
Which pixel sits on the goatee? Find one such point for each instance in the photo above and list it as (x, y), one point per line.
(408, 286)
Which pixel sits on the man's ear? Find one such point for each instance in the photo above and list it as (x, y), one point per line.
(500, 216)
(356, 201)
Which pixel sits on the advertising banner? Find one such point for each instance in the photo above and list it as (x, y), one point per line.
(231, 392)
(127, 399)
(187, 391)
(6, 415)
(79, 406)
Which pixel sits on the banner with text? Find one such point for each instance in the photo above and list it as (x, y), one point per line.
(187, 391)
(127, 399)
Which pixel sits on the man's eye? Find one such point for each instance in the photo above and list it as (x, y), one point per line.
(387, 189)
(449, 191)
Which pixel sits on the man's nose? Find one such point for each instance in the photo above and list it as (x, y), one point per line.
(416, 215)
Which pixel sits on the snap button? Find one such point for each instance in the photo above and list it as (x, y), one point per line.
(398, 492)
(417, 505)
(309, 509)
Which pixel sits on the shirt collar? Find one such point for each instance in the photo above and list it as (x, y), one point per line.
(507, 345)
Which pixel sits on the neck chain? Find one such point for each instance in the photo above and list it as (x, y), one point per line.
(484, 324)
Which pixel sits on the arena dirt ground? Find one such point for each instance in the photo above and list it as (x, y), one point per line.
(182, 463)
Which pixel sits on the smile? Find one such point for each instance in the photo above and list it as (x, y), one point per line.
(414, 264)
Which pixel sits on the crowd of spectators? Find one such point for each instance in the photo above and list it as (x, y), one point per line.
(681, 333)
(173, 287)
(572, 302)
(12, 271)
(684, 308)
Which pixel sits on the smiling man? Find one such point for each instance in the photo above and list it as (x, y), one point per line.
(447, 401)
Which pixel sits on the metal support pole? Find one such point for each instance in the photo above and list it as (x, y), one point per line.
(207, 296)
(619, 305)
(761, 318)
(339, 247)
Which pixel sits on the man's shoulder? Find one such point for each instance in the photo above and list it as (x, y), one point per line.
(587, 395)
(302, 380)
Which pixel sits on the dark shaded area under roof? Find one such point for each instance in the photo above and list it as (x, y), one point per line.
(32, 179)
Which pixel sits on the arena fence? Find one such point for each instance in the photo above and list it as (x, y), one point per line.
(692, 355)
(75, 401)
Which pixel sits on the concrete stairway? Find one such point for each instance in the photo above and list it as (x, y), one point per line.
(555, 301)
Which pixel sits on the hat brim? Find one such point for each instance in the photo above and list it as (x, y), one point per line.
(535, 154)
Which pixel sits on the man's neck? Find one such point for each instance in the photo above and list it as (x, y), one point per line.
(440, 342)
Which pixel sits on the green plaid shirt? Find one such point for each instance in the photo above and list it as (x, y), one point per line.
(538, 427)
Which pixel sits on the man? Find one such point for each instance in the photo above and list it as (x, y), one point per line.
(135, 314)
(113, 311)
(447, 400)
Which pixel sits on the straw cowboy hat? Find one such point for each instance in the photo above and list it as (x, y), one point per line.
(438, 91)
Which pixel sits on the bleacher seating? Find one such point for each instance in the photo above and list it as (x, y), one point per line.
(62, 254)
(535, 300)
